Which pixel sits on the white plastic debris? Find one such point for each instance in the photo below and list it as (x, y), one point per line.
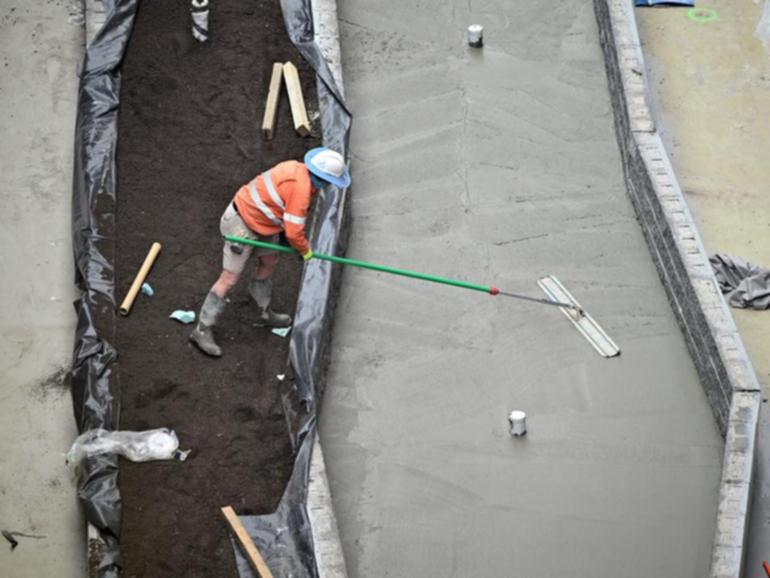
(186, 317)
(476, 35)
(282, 331)
(147, 289)
(143, 446)
(518, 421)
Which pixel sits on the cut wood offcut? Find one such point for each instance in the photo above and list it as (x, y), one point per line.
(290, 75)
(296, 100)
(246, 543)
(271, 105)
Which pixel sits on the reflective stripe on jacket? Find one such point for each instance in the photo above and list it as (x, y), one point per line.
(278, 200)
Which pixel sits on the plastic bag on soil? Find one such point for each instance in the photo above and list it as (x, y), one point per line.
(137, 446)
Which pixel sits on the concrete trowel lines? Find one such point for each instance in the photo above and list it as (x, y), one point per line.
(716, 346)
(502, 165)
(41, 46)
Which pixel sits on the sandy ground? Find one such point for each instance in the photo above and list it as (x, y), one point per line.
(500, 166)
(711, 90)
(40, 50)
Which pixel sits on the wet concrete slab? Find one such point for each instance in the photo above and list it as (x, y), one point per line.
(499, 166)
(42, 42)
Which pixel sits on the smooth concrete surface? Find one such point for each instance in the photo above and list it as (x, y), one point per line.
(501, 166)
(712, 91)
(42, 42)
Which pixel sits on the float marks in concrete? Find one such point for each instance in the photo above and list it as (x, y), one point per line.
(40, 51)
(501, 166)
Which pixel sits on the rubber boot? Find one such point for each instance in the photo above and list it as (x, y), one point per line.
(203, 334)
(262, 293)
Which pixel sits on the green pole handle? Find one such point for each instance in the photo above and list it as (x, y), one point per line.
(367, 265)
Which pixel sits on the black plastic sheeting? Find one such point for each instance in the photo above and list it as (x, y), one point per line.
(94, 382)
(284, 537)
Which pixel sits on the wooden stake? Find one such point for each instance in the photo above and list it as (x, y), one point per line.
(296, 100)
(128, 302)
(271, 104)
(248, 546)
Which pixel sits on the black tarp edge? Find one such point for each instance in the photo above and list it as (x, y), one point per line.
(94, 383)
(285, 536)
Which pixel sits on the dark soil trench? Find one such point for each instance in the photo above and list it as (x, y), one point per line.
(188, 139)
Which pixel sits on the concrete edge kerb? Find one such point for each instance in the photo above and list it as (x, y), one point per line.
(716, 347)
(329, 557)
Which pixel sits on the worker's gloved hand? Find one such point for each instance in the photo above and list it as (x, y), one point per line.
(307, 256)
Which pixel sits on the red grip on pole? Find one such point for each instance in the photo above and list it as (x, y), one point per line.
(766, 566)
(494, 290)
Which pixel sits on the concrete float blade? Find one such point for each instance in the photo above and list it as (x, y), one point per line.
(584, 322)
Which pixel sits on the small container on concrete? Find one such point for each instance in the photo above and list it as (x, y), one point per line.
(200, 20)
(518, 420)
(476, 35)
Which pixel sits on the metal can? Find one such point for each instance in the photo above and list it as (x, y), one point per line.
(476, 35)
(518, 421)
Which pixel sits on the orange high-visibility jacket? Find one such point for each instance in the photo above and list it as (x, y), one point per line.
(278, 200)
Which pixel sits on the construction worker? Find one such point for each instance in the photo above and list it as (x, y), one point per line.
(275, 201)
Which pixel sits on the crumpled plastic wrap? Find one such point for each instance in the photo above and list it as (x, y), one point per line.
(747, 286)
(137, 446)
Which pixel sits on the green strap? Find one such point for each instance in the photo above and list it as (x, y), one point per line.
(367, 265)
